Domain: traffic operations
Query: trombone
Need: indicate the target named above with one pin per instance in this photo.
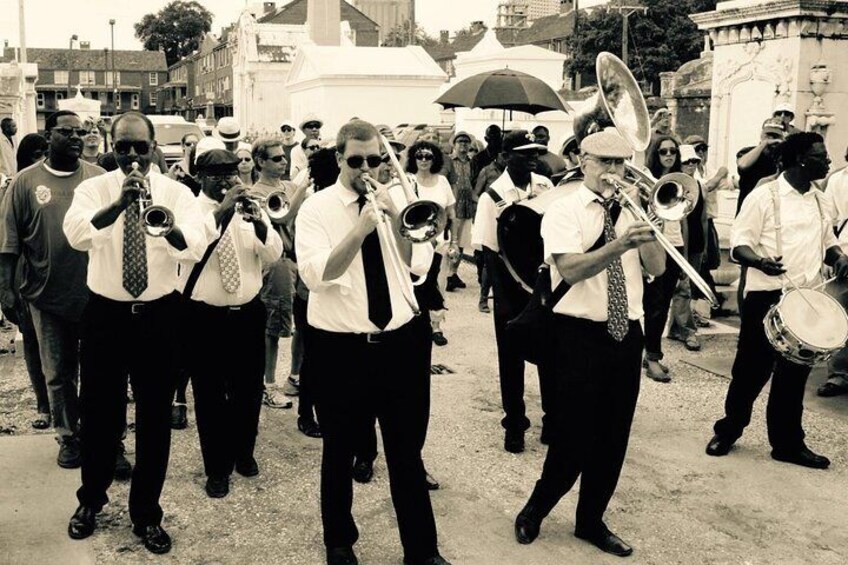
(155, 220)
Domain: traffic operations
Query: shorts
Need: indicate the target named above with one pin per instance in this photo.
(278, 321)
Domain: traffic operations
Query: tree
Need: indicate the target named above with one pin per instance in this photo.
(661, 40)
(176, 29)
(399, 36)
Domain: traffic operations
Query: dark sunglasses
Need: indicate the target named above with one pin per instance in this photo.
(246, 159)
(313, 147)
(188, 144)
(424, 156)
(356, 161)
(701, 147)
(312, 125)
(286, 129)
(69, 131)
(666, 152)
(691, 162)
(784, 113)
(123, 147)
(277, 158)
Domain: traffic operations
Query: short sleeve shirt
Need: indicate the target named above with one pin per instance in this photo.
(54, 273)
(748, 178)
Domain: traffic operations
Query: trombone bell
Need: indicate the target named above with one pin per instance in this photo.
(421, 221)
(674, 197)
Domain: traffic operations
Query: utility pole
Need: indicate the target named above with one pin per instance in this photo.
(626, 12)
(575, 81)
(22, 32)
(411, 22)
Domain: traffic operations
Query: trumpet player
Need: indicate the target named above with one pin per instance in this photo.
(129, 324)
(359, 312)
(600, 250)
(225, 312)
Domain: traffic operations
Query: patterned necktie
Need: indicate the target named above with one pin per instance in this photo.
(135, 252)
(617, 322)
(228, 260)
(376, 282)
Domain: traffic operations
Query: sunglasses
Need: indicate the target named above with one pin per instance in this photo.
(666, 152)
(188, 144)
(356, 161)
(69, 131)
(424, 156)
(701, 148)
(246, 159)
(312, 125)
(287, 129)
(276, 158)
(313, 147)
(783, 113)
(123, 147)
(691, 162)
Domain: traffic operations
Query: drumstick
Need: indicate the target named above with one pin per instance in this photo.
(824, 283)
(801, 294)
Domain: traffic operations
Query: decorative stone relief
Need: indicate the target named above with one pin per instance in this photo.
(778, 70)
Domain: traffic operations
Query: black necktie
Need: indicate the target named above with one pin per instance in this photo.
(376, 283)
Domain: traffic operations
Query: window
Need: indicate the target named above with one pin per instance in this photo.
(39, 100)
(109, 77)
(60, 96)
(153, 98)
(153, 79)
(117, 101)
(86, 77)
(60, 77)
(134, 101)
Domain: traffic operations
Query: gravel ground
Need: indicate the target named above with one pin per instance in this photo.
(674, 504)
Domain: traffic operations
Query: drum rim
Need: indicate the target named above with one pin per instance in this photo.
(794, 334)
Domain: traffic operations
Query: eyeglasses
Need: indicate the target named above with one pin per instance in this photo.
(287, 129)
(69, 131)
(356, 161)
(666, 152)
(313, 147)
(277, 158)
(424, 156)
(122, 147)
(692, 162)
(784, 113)
(607, 161)
(312, 125)
(246, 160)
(701, 148)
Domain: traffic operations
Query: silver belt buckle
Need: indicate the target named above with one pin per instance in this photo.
(235, 308)
(372, 338)
(137, 307)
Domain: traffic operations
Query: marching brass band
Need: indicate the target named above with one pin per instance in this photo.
(171, 276)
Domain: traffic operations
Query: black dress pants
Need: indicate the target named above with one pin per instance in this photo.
(596, 392)
(305, 396)
(656, 301)
(510, 299)
(227, 352)
(391, 379)
(757, 361)
(120, 339)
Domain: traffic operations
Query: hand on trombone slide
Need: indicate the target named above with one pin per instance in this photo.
(637, 234)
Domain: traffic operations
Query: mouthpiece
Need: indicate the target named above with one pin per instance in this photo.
(135, 165)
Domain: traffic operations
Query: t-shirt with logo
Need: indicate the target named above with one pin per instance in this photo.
(34, 208)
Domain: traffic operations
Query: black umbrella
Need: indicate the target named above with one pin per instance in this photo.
(504, 89)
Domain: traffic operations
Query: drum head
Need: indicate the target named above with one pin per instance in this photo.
(825, 325)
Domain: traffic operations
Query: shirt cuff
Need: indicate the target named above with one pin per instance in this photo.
(312, 273)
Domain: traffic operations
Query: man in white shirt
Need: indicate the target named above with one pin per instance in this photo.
(600, 250)
(311, 128)
(802, 223)
(518, 182)
(224, 312)
(8, 149)
(130, 323)
(358, 316)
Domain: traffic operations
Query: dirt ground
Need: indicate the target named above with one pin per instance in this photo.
(673, 504)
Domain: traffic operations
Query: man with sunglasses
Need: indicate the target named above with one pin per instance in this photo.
(786, 114)
(311, 128)
(518, 182)
(130, 324)
(54, 273)
(600, 250)
(356, 313)
(287, 129)
(223, 294)
(757, 162)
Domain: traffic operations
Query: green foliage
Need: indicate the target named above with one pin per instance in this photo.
(399, 36)
(661, 40)
(176, 29)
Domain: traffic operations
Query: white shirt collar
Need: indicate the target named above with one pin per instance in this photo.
(345, 195)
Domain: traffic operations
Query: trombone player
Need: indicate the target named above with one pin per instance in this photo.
(224, 312)
(130, 321)
(600, 251)
(357, 268)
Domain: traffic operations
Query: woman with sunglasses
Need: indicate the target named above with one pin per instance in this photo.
(661, 158)
(246, 170)
(425, 162)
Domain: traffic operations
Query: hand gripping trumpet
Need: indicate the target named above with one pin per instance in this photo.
(276, 205)
(156, 221)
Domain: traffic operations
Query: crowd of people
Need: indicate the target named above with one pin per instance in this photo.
(121, 270)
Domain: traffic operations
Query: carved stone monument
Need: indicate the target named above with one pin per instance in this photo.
(17, 95)
(768, 52)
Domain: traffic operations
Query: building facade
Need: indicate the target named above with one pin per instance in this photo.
(388, 14)
(129, 80)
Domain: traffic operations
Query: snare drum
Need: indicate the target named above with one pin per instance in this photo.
(806, 335)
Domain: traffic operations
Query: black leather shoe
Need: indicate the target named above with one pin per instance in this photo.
(341, 556)
(606, 541)
(308, 427)
(435, 560)
(719, 446)
(123, 468)
(828, 390)
(363, 471)
(514, 442)
(218, 487)
(179, 416)
(70, 456)
(803, 457)
(432, 484)
(82, 523)
(154, 538)
(526, 526)
(247, 467)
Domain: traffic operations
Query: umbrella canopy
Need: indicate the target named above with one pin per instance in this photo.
(504, 89)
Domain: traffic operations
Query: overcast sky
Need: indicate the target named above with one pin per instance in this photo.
(50, 23)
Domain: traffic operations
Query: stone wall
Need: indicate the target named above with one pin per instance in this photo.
(686, 92)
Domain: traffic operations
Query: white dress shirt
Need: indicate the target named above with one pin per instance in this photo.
(251, 253)
(573, 224)
(484, 231)
(341, 305)
(299, 161)
(805, 233)
(837, 199)
(105, 246)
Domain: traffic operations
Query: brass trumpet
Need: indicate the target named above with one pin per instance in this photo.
(156, 221)
(276, 205)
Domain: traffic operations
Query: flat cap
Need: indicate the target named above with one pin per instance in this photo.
(459, 134)
(695, 140)
(207, 144)
(606, 144)
(218, 161)
(521, 140)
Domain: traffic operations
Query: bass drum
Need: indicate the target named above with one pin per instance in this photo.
(519, 231)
